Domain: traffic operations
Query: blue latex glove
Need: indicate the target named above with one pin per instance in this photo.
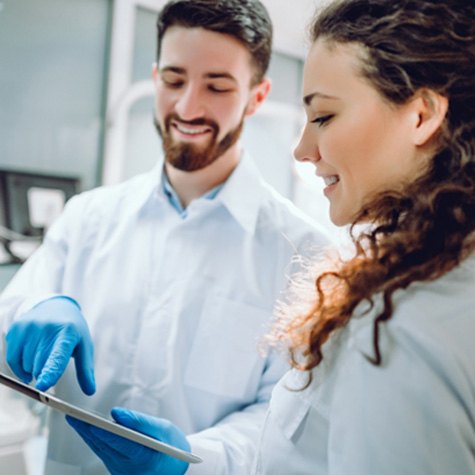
(41, 342)
(124, 457)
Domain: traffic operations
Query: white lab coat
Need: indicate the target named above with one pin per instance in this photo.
(414, 415)
(175, 308)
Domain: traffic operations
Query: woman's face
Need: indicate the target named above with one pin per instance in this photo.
(359, 143)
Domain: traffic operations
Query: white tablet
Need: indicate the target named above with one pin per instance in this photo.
(98, 421)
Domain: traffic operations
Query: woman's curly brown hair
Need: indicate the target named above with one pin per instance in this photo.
(424, 232)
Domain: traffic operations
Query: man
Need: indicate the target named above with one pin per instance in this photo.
(171, 276)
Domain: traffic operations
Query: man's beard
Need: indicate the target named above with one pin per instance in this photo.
(191, 157)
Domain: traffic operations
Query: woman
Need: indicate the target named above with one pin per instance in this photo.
(384, 359)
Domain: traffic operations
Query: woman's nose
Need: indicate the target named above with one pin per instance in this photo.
(307, 148)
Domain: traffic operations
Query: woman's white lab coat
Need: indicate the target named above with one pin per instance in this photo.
(413, 415)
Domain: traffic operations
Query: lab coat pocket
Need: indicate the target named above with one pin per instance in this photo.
(224, 358)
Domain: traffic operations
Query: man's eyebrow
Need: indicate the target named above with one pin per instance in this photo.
(211, 75)
(221, 75)
(309, 97)
(172, 69)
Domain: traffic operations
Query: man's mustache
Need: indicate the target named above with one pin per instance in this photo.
(198, 122)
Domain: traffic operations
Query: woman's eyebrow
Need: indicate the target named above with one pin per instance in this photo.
(307, 100)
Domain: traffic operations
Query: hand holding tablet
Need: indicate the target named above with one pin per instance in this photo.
(121, 436)
(122, 456)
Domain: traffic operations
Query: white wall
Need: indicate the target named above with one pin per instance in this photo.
(290, 19)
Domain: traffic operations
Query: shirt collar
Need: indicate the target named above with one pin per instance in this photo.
(175, 200)
(241, 194)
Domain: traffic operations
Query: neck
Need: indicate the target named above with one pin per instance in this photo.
(191, 185)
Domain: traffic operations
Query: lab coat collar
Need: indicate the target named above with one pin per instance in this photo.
(242, 193)
(153, 187)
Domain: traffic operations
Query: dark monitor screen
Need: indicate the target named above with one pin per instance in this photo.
(28, 200)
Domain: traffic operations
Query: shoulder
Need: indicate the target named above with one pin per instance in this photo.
(104, 199)
(101, 208)
(421, 400)
(280, 215)
(430, 334)
(441, 311)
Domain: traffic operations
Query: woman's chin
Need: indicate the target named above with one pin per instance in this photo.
(339, 219)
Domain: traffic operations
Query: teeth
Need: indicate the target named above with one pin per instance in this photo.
(330, 180)
(190, 131)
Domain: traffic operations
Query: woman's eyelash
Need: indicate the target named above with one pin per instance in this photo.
(322, 120)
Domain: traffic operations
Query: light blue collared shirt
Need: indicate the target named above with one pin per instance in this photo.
(175, 200)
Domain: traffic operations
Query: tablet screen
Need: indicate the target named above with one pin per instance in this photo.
(98, 421)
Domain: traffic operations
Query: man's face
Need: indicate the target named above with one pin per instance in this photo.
(203, 93)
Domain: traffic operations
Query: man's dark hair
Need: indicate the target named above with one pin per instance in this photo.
(246, 20)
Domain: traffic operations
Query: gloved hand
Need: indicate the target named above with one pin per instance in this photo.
(124, 457)
(41, 342)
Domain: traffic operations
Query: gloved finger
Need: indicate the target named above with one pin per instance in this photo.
(41, 356)
(15, 340)
(127, 448)
(82, 428)
(106, 444)
(57, 361)
(161, 429)
(44, 347)
(29, 352)
(84, 361)
(84, 431)
(154, 427)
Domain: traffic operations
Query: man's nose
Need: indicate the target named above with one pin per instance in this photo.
(190, 104)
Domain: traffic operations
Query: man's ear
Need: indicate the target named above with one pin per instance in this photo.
(259, 92)
(429, 111)
(154, 71)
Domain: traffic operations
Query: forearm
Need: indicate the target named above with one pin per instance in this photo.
(228, 448)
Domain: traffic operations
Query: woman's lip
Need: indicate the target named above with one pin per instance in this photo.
(330, 188)
(331, 179)
(331, 182)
